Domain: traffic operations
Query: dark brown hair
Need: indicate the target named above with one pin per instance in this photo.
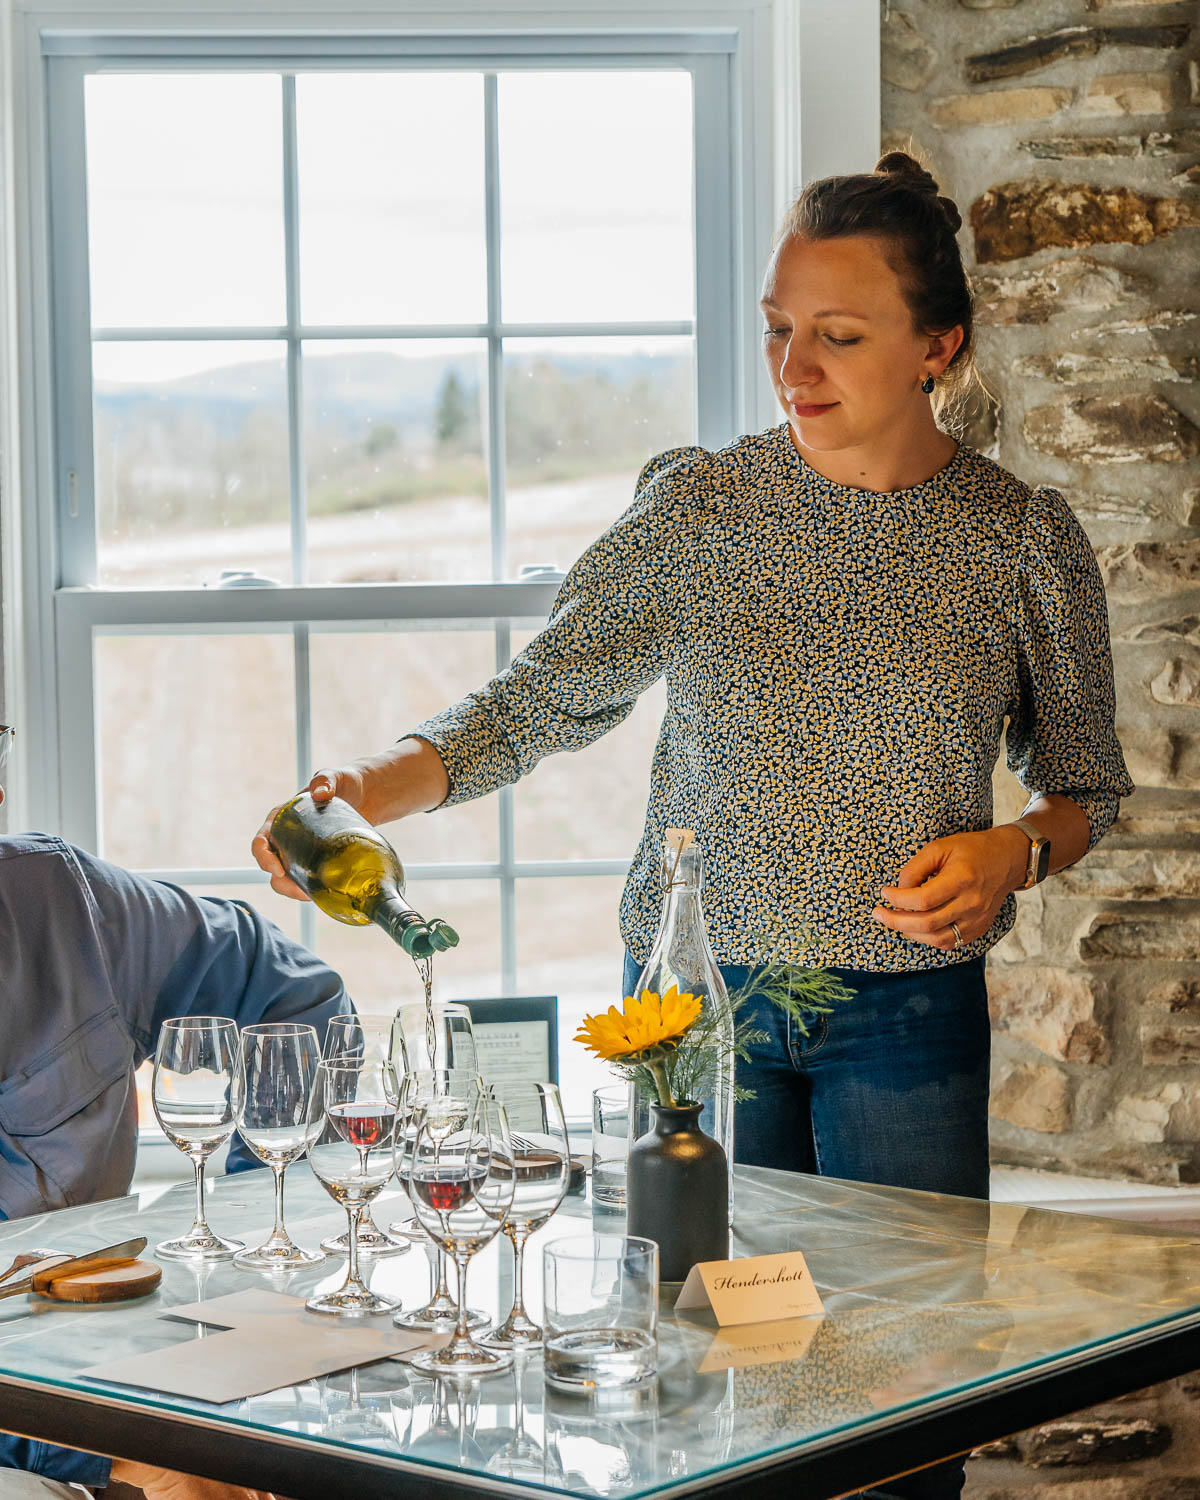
(899, 203)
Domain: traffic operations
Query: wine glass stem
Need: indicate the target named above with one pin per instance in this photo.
(518, 1235)
(443, 1286)
(354, 1212)
(463, 1331)
(200, 1226)
(278, 1233)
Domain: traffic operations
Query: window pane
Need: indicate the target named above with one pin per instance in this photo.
(391, 198)
(191, 459)
(596, 196)
(185, 199)
(196, 738)
(394, 445)
(581, 418)
(380, 976)
(568, 945)
(369, 688)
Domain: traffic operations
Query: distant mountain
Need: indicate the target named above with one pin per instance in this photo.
(362, 387)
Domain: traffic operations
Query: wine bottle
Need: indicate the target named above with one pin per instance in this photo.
(683, 958)
(352, 872)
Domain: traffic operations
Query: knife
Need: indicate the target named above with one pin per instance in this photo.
(94, 1260)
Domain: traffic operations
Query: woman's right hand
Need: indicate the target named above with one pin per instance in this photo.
(407, 778)
(347, 783)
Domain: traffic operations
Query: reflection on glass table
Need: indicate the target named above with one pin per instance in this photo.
(947, 1322)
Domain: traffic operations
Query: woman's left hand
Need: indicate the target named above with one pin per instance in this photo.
(961, 879)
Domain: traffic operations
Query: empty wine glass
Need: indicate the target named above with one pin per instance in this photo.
(192, 1090)
(354, 1160)
(450, 1095)
(279, 1119)
(354, 1037)
(441, 1036)
(541, 1168)
(461, 1186)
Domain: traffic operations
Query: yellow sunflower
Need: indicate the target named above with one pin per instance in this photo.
(649, 1020)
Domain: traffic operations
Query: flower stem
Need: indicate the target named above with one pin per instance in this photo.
(658, 1071)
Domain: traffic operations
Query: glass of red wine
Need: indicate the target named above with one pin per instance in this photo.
(354, 1160)
(349, 1038)
(461, 1185)
(443, 1097)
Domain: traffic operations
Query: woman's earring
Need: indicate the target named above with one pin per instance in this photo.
(927, 385)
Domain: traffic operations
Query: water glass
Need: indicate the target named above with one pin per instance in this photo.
(279, 1117)
(601, 1300)
(610, 1147)
(192, 1092)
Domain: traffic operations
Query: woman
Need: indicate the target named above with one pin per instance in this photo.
(847, 608)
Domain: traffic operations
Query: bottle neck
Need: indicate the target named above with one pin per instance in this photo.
(403, 925)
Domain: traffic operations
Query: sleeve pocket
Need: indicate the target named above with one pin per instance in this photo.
(66, 1078)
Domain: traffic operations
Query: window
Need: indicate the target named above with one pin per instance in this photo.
(355, 351)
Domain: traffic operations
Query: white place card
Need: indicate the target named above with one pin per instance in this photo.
(756, 1289)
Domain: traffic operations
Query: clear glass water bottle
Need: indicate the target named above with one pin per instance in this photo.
(682, 957)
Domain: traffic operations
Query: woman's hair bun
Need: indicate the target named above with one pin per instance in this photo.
(908, 170)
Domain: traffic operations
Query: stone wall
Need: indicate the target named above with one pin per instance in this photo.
(1069, 133)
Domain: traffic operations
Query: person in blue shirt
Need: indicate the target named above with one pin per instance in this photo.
(93, 959)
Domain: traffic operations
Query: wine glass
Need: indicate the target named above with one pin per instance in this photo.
(449, 1095)
(520, 1456)
(354, 1160)
(194, 1068)
(461, 1185)
(279, 1119)
(541, 1168)
(440, 1036)
(358, 1037)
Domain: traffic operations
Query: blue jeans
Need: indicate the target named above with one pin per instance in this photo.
(891, 1088)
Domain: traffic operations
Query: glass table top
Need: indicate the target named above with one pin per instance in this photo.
(927, 1299)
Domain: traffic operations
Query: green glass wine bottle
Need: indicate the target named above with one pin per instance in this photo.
(352, 872)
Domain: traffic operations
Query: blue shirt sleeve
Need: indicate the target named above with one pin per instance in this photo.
(70, 1465)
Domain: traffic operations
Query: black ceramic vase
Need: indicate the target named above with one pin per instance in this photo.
(678, 1191)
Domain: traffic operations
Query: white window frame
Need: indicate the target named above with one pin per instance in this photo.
(797, 88)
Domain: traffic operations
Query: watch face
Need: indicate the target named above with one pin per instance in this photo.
(1043, 860)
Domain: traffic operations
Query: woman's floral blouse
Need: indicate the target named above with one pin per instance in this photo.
(839, 666)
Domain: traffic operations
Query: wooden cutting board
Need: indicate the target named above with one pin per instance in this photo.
(136, 1278)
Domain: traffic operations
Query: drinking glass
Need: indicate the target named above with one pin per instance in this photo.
(541, 1167)
(448, 1096)
(357, 1037)
(279, 1119)
(440, 1037)
(354, 1160)
(461, 1185)
(601, 1295)
(194, 1069)
(610, 1147)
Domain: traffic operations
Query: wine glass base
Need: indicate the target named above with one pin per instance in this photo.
(440, 1322)
(368, 1244)
(514, 1336)
(472, 1362)
(351, 1304)
(277, 1258)
(199, 1247)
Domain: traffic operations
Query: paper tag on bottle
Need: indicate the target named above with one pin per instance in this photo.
(680, 839)
(756, 1289)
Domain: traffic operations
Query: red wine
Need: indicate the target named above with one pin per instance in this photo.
(363, 1125)
(446, 1188)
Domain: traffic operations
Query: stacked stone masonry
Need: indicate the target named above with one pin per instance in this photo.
(1069, 133)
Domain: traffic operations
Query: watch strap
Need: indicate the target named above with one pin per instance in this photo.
(1039, 853)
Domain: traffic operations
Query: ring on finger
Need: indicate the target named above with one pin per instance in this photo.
(958, 942)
